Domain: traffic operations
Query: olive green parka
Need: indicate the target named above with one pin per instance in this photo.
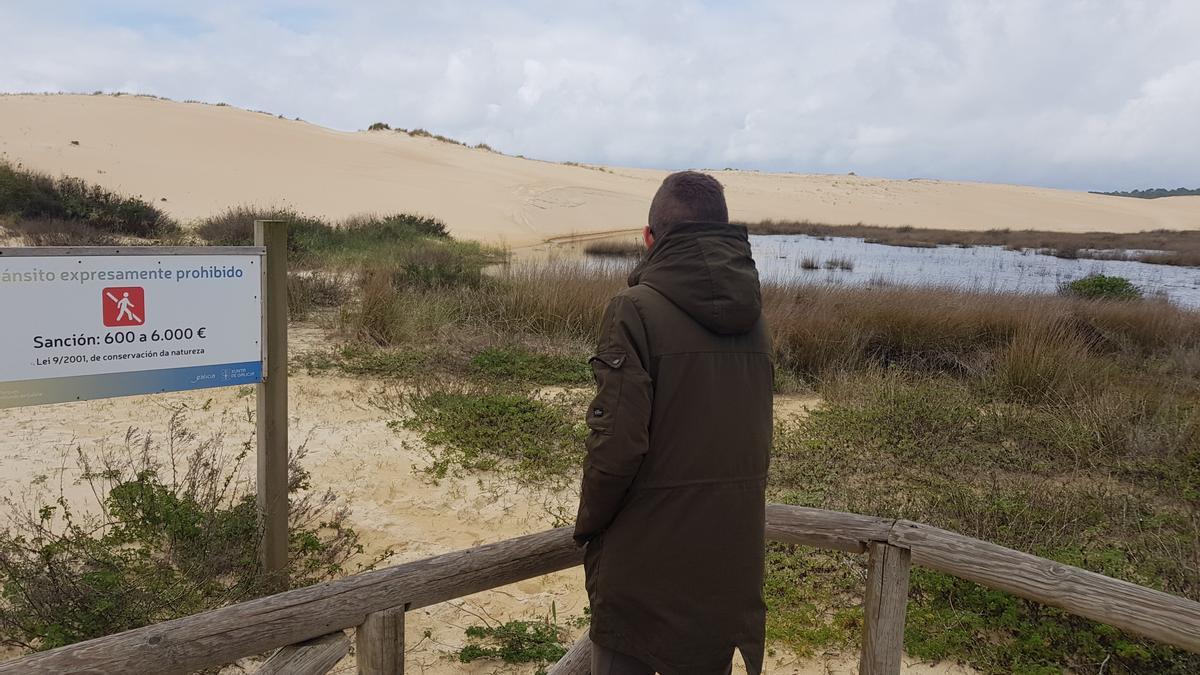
(673, 493)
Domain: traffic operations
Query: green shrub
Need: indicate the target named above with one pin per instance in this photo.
(379, 126)
(235, 226)
(539, 642)
(164, 540)
(28, 195)
(358, 239)
(1101, 287)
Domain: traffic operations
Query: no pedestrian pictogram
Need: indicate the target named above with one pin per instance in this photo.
(124, 306)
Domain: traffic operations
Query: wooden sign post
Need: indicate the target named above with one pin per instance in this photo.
(272, 394)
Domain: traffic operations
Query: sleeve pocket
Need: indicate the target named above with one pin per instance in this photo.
(606, 368)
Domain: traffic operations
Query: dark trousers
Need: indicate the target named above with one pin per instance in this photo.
(607, 662)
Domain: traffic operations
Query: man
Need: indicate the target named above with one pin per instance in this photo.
(673, 498)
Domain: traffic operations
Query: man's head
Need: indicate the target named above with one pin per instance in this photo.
(684, 197)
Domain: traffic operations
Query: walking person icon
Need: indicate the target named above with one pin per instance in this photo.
(124, 306)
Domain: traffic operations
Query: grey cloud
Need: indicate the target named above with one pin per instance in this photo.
(1090, 95)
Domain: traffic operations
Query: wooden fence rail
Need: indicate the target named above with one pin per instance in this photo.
(374, 602)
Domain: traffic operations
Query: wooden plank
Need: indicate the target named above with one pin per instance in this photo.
(577, 660)
(311, 657)
(1153, 614)
(83, 251)
(883, 609)
(258, 626)
(825, 529)
(272, 395)
(379, 643)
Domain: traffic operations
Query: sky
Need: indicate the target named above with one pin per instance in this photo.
(1079, 94)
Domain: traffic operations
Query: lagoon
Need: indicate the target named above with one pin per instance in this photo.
(780, 259)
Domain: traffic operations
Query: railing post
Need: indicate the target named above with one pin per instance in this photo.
(883, 609)
(379, 643)
(272, 394)
(577, 660)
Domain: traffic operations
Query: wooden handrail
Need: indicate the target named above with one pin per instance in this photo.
(1154, 614)
(258, 626)
(224, 635)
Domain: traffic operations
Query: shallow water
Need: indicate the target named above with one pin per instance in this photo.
(979, 268)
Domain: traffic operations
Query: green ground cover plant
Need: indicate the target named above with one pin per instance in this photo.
(518, 364)
(541, 643)
(536, 440)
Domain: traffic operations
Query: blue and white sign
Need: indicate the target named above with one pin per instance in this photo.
(96, 326)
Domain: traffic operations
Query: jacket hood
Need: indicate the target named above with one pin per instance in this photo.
(706, 270)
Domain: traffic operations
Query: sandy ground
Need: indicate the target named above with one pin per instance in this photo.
(351, 448)
(194, 159)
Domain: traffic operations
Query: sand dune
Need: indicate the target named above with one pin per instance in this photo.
(202, 158)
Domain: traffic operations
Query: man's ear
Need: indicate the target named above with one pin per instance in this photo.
(648, 236)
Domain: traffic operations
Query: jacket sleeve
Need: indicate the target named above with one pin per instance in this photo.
(619, 418)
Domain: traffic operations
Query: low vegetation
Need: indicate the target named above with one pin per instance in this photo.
(614, 248)
(329, 260)
(169, 530)
(1160, 247)
(69, 210)
(538, 440)
(541, 643)
(1154, 193)
(1099, 286)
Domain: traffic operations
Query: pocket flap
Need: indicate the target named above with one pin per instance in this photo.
(613, 359)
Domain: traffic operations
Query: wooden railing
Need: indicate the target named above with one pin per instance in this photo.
(306, 625)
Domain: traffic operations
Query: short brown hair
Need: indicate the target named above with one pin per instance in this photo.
(687, 196)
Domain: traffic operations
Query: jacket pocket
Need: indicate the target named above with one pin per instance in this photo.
(606, 368)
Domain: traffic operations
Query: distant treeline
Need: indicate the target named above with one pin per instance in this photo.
(1152, 193)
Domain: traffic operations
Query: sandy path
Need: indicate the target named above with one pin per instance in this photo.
(193, 160)
(351, 448)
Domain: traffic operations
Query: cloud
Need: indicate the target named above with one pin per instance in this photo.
(1071, 94)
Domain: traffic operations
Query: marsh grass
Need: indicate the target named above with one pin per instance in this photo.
(839, 263)
(819, 331)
